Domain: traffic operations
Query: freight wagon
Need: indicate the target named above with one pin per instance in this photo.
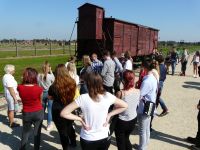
(95, 33)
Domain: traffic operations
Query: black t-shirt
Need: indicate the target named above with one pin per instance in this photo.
(174, 55)
(63, 124)
(56, 97)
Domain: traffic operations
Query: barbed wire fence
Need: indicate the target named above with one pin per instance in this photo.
(19, 48)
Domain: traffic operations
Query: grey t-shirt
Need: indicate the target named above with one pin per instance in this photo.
(132, 99)
(45, 84)
(108, 72)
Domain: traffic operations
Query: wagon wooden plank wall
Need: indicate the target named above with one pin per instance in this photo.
(96, 33)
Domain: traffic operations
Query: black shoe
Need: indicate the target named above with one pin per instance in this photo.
(191, 140)
(13, 125)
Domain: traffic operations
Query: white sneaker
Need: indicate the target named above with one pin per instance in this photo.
(50, 127)
(194, 75)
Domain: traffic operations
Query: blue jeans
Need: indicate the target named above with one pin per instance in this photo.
(173, 64)
(161, 102)
(47, 103)
(144, 131)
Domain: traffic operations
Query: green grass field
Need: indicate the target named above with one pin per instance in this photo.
(22, 63)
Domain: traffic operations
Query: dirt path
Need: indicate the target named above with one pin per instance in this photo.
(181, 95)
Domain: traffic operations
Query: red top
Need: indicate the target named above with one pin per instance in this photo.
(141, 76)
(31, 97)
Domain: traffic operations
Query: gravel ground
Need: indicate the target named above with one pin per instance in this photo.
(181, 95)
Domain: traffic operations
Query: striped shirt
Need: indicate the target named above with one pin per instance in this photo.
(97, 66)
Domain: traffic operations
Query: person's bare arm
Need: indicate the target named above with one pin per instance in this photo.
(67, 113)
(12, 93)
(119, 94)
(120, 106)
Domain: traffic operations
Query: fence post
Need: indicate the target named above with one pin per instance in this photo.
(34, 43)
(50, 46)
(69, 47)
(16, 48)
(75, 48)
(63, 46)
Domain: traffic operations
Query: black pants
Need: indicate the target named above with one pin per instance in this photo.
(36, 119)
(95, 145)
(198, 132)
(108, 88)
(63, 126)
(122, 132)
(183, 67)
(117, 83)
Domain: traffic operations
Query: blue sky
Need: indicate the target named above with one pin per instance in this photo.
(28, 19)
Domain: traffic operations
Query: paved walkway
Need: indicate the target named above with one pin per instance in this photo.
(181, 95)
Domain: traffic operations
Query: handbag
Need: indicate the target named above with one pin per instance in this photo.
(149, 108)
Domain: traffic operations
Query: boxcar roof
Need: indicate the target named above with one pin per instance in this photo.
(131, 23)
(88, 4)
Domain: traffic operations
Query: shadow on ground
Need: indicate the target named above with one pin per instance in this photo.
(164, 137)
(191, 85)
(13, 139)
(157, 135)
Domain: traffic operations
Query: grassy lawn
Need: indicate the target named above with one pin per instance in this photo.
(22, 63)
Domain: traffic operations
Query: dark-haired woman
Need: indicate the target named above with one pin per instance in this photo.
(142, 74)
(62, 91)
(94, 105)
(45, 79)
(148, 94)
(127, 119)
(31, 96)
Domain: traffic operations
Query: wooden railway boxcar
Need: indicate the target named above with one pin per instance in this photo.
(96, 33)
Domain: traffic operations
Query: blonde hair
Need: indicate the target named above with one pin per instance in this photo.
(86, 60)
(9, 68)
(71, 67)
(45, 69)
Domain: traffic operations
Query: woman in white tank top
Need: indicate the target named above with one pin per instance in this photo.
(195, 61)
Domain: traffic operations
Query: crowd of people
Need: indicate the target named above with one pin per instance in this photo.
(174, 57)
(104, 98)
